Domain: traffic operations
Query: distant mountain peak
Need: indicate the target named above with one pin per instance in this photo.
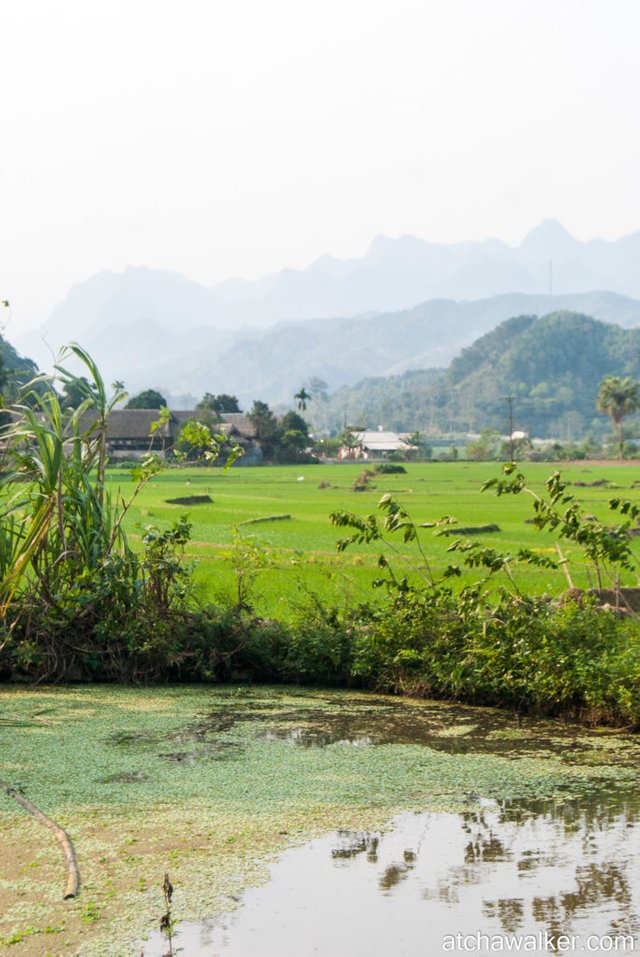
(379, 246)
(382, 244)
(549, 238)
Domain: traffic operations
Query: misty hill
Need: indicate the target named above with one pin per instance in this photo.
(552, 366)
(272, 364)
(343, 351)
(393, 275)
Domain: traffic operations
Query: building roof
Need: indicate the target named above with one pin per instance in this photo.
(381, 441)
(135, 424)
(128, 424)
(239, 422)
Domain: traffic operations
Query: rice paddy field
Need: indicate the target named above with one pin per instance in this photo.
(215, 785)
(274, 522)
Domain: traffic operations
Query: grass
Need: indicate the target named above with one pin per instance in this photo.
(104, 763)
(300, 553)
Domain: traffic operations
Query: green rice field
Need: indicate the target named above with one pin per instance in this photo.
(284, 533)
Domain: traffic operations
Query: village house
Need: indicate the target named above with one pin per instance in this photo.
(373, 445)
(131, 433)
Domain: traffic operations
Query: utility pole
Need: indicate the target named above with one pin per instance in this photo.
(509, 400)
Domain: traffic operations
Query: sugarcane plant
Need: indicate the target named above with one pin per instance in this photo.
(71, 587)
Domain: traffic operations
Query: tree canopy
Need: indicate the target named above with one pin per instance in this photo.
(302, 397)
(219, 403)
(282, 440)
(149, 399)
(618, 397)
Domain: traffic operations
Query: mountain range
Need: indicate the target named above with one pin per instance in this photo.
(407, 303)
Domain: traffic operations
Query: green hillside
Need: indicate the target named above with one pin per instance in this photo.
(552, 367)
(15, 372)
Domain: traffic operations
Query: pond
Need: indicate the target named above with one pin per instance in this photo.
(537, 875)
(555, 878)
(312, 822)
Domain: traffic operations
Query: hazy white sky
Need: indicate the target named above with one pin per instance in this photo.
(238, 137)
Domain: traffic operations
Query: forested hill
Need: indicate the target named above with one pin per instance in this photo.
(15, 371)
(552, 366)
(272, 364)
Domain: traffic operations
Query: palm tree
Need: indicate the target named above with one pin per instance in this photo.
(618, 397)
(302, 397)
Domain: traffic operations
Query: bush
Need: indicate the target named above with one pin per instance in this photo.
(77, 601)
(389, 468)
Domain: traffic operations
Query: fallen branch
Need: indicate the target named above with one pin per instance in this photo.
(73, 874)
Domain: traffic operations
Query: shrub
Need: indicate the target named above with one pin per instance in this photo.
(76, 600)
(389, 468)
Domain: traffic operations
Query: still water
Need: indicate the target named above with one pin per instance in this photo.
(507, 873)
(538, 877)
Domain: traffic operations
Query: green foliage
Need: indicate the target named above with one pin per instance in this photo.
(550, 365)
(485, 448)
(165, 574)
(292, 421)
(617, 398)
(219, 403)
(284, 440)
(149, 399)
(266, 426)
(302, 397)
(195, 443)
(523, 652)
(389, 468)
(421, 450)
(292, 442)
(607, 546)
(75, 391)
(16, 374)
(81, 603)
(75, 597)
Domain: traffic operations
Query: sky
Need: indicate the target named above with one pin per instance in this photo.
(237, 138)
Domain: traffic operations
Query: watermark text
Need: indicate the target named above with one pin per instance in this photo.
(544, 941)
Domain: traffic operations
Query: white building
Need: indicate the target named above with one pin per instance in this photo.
(374, 445)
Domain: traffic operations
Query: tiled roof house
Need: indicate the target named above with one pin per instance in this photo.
(130, 435)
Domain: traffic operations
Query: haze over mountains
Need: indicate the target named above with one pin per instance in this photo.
(407, 303)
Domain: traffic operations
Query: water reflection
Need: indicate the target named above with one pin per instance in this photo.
(317, 720)
(516, 868)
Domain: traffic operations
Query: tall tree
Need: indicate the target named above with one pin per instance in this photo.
(616, 398)
(293, 420)
(318, 388)
(219, 403)
(302, 396)
(149, 399)
(268, 429)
